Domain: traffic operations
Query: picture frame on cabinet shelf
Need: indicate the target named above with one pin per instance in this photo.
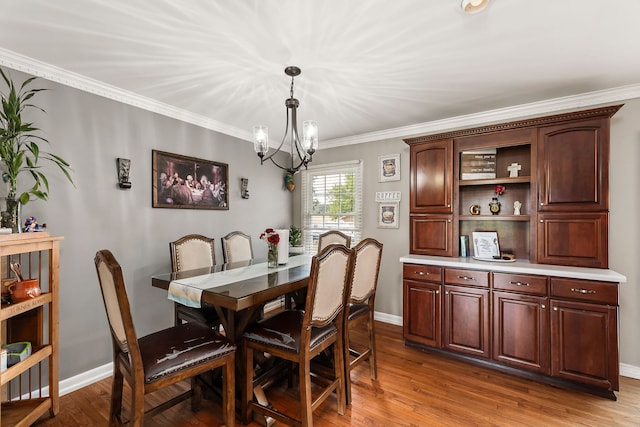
(485, 244)
(388, 215)
(389, 168)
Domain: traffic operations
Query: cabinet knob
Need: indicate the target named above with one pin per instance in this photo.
(437, 292)
(449, 221)
(541, 221)
(543, 306)
(421, 273)
(541, 204)
(465, 277)
(446, 292)
(555, 308)
(448, 206)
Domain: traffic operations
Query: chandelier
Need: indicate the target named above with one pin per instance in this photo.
(301, 150)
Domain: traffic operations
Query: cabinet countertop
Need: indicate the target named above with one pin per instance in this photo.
(519, 267)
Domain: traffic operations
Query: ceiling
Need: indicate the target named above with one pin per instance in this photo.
(369, 68)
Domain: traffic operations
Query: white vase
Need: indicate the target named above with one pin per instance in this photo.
(283, 246)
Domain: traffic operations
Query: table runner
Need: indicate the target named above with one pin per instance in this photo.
(188, 291)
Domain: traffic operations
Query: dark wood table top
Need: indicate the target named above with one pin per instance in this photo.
(248, 292)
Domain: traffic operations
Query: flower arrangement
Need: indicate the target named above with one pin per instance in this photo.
(272, 238)
(500, 190)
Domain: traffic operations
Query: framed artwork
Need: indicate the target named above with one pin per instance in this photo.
(485, 244)
(389, 168)
(388, 214)
(184, 182)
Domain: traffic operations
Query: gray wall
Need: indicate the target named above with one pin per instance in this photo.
(624, 228)
(91, 132)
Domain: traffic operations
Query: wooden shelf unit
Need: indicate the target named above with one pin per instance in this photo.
(30, 387)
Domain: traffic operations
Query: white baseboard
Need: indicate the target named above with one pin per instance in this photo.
(630, 371)
(101, 372)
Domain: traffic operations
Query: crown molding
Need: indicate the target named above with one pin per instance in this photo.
(34, 67)
(518, 112)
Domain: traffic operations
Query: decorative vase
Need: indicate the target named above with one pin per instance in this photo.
(494, 206)
(11, 217)
(272, 256)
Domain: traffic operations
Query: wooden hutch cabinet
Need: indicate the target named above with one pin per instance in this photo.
(534, 314)
(30, 386)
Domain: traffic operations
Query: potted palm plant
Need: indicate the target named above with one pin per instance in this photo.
(295, 240)
(20, 151)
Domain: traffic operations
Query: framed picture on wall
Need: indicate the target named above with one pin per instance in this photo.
(388, 215)
(389, 168)
(184, 182)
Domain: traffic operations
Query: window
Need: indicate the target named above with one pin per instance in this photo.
(332, 200)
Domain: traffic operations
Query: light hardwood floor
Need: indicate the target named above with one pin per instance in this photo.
(414, 388)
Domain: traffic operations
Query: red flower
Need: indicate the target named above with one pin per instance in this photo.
(500, 190)
(270, 236)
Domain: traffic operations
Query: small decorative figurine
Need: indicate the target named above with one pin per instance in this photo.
(516, 207)
(244, 188)
(288, 182)
(31, 225)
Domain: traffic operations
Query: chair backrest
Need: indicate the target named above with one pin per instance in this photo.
(116, 303)
(367, 256)
(192, 251)
(236, 247)
(328, 285)
(333, 237)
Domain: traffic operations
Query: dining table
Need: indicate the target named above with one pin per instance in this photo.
(238, 292)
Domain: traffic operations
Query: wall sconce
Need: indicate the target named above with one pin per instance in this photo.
(244, 191)
(124, 165)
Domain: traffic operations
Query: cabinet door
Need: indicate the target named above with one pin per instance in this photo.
(431, 235)
(577, 239)
(573, 167)
(421, 318)
(521, 331)
(584, 345)
(432, 177)
(466, 320)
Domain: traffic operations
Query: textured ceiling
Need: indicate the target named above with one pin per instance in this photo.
(367, 66)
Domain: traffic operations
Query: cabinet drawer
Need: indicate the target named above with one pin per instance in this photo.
(585, 290)
(428, 273)
(535, 285)
(466, 277)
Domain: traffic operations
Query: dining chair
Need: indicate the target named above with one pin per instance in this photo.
(360, 307)
(188, 253)
(236, 246)
(333, 237)
(162, 358)
(300, 335)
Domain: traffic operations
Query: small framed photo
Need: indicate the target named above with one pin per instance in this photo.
(388, 215)
(389, 168)
(485, 244)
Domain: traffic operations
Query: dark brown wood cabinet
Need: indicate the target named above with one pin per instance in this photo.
(551, 327)
(422, 304)
(573, 166)
(431, 185)
(466, 320)
(584, 343)
(431, 234)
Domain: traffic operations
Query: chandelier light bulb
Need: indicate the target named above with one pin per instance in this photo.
(261, 139)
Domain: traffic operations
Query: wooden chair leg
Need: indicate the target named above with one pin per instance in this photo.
(137, 406)
(115, 415)
(340, 369)
(306, 409)
(229, 395)
(373, 364)
(247, 390)
(196, 398)
(347, 367)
